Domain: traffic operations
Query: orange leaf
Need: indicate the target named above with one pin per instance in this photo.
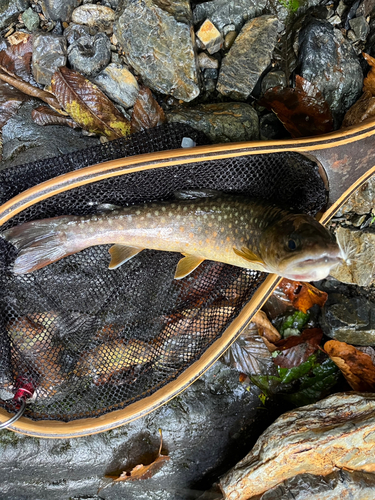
(16, 60)
(356, 366)
(265, 327)
(369, 81)
(144, 471)
(301, 295)
(303, 111)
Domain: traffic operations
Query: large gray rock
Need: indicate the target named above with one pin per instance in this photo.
(25, 141)
(328, 61)
(159, 48)
(359, 250)
(335, 433)
(350, 320)
(59, 10)
(10, 9)
(180, 9)
(224, 122)
(205, 431)
(224, 12)
(362, 201)
(248, 57)
(49, 53)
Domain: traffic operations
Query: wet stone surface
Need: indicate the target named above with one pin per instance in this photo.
(10, 9)
(59, 10)
(225, 122)
(49, 53)
(205, 430)
(119, 84)
(159, 48)
(90, 55)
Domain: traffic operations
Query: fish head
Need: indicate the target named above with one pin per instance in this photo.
(298, 247)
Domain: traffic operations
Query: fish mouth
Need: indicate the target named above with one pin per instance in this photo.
(310, 268)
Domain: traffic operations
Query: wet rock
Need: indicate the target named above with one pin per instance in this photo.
(90, 54)
(119, 84)
(330, 63)
(159, 48)
(335, 433)
(95, 16)
(31, 20)
(359, 248)
(210, 37)
(229, 39)
(180, 9)
(350, 320)
(10, 10)
(224, 122)
(224, 12)
(247, 59)
(205, 61)
(335, 486)
(204, 429)
(49, 53)
(360, 27)
(271, 128)
(59, 10)
(25, 141)
(75, 31)
(273, 79)
(362, 201)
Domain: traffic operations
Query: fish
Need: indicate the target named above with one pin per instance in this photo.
(201, 224)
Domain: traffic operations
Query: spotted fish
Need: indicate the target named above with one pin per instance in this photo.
(200, 224)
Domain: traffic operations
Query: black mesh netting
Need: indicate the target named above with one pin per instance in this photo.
(93, 340)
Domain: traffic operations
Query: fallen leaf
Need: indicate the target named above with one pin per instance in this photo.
(361, 110)
(146, 112)
(302, 110)
(300, 295)
(369, 81)
(87, 105)
(265, 327)
(144, 471)
(356, 366)
(248, 354)
(15, 60)
(297, 349)
(10, 101)
(30, 90)
(18, 37)
(48, 116)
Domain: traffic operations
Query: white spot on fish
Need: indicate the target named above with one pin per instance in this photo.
(163, 209)
(149, 215)
(138, 212)
(157, 212)
(170, 214)
(219, 218)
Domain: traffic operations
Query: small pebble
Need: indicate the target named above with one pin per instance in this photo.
(360, 27)
(273, 79)
(75, 31)
(210, 37)
(119, 84)
(229, 39)
(228, 28)
(31, 20)
(94, 15)
(49, 53)
(90, 55)
(205, 61)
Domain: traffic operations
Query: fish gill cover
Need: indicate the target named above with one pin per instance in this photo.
(93, 340)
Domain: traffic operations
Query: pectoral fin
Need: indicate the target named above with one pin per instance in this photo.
(187, 265)
(121, 254)
(250, 256)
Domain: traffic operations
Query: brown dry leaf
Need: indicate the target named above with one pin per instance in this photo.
(300, 295)
(30, 90)
(48, 116)
(295, 350)
(146, 112)
(144, 471)
(302, 110)
(361, 110)
(10, 101)
(369, 81)
(15, 60)
(356, 366)
(87, 105)
(265, 327)
(18, 37)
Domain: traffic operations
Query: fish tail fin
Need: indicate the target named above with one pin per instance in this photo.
(39, 243)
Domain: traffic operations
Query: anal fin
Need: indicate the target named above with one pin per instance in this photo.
(187, 265)
(121, 254)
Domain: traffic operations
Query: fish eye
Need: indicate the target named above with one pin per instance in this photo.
(292, 245)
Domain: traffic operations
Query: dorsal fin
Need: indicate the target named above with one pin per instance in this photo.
(121, 254)
(191, 194)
